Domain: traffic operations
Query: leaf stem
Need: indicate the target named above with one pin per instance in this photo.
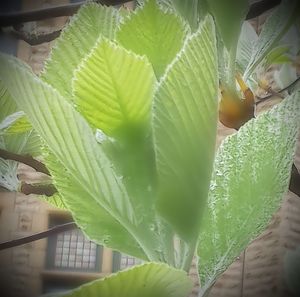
(189, 254)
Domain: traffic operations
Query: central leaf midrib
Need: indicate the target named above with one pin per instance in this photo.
(115, 84)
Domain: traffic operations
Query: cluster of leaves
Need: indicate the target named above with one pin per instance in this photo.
(126, 113)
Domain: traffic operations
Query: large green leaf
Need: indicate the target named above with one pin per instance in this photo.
(77, 39)
(229, 15)
(184, 127)
(252, 171)
(153, 32)
(273, 30)
(147, 280)
(73, 143)
(113, 88)
(94, 221)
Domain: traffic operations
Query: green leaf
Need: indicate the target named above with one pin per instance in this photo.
(277, 55)
(229, 15)
(15, 123)
(153, 32)
(252, 172)
(7, 104)
(247, 40)
(73, 143)
(77, 39)
(113, 88)
(188, 9)
(273, 30)
(184, 127)
(94, 221)
(147, 280)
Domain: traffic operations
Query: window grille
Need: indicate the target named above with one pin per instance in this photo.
(71, 250)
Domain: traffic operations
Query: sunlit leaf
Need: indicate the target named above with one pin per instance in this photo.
(113, 88)
(184, 125)
(153, 32)
(15, 123)
(251, 174)
(73, 143)
(76, 40)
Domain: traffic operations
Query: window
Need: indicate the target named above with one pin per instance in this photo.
(71, 250)
(122, 261)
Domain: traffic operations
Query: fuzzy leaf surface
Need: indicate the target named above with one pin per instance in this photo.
(184, 128)
(251, 174)
(77, 39)
(73, 143)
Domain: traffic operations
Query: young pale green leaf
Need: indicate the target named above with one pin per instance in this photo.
(184, 128)
(273, 30)
(252, 171)
(246, 43)
(147, 280)
(153, 32)
(229, 16)
(15, 123)
(113, 88)
(73, 143)
(75, 42)
(278, 55)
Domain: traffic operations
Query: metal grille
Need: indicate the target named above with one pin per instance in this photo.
(73, 250)
(127, 262)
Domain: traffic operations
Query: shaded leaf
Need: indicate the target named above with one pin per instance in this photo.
(146, 280)
(184, 127)
(251, 174)
(229, 15)
(246, 43)
(273, 30)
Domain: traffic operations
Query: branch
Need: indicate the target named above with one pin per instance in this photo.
(25, 159)
(48, 190)
(15, 18)
(34, 39)
(37, 236)
(279, 92)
